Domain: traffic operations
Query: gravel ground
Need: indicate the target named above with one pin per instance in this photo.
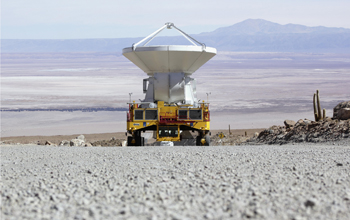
(226, 182)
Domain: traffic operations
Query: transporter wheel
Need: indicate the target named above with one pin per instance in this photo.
(207, 140)
(129, 141)
(198, 141)
(138, 140)
(142, 141)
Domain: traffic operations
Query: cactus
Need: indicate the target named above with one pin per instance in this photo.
(317, 107)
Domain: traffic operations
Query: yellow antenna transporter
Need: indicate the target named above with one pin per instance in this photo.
(170, 106)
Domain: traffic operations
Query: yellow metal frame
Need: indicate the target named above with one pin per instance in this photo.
(168, 115)
(169, 138)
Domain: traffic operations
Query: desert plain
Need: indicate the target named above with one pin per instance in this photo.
(86, 93)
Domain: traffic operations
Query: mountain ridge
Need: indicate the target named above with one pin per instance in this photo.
(254, 35)
(262, 26)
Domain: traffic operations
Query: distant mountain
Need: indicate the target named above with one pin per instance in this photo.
(254, 35)
(263, 27)
(265, 36)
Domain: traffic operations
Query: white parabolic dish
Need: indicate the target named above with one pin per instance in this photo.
(169, 58)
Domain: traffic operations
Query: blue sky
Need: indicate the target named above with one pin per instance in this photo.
(71, 19)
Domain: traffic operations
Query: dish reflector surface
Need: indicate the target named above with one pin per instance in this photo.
(169, 58)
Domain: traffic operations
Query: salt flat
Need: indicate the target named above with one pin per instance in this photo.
(248, 90)
(216, 182)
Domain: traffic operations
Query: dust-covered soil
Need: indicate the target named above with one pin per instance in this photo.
(56, 139)
(221, 182)
(234, 136)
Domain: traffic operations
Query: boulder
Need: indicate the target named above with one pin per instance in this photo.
(343, 114)
(307, 121)
(76, 143)
(81, 137)
(289, 123)
(48, 143)
(300, 122)
(340, 106)
(87, 144)
(64, 143)
(303, 122)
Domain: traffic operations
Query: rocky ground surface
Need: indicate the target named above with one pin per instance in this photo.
(223, 182)
(328, 130)
(322, 130)
(231, 137)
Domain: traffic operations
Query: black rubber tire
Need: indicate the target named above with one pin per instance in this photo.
(129, 141)
(207, 140)
(198, 141)
(138, 141)
(142, 141)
